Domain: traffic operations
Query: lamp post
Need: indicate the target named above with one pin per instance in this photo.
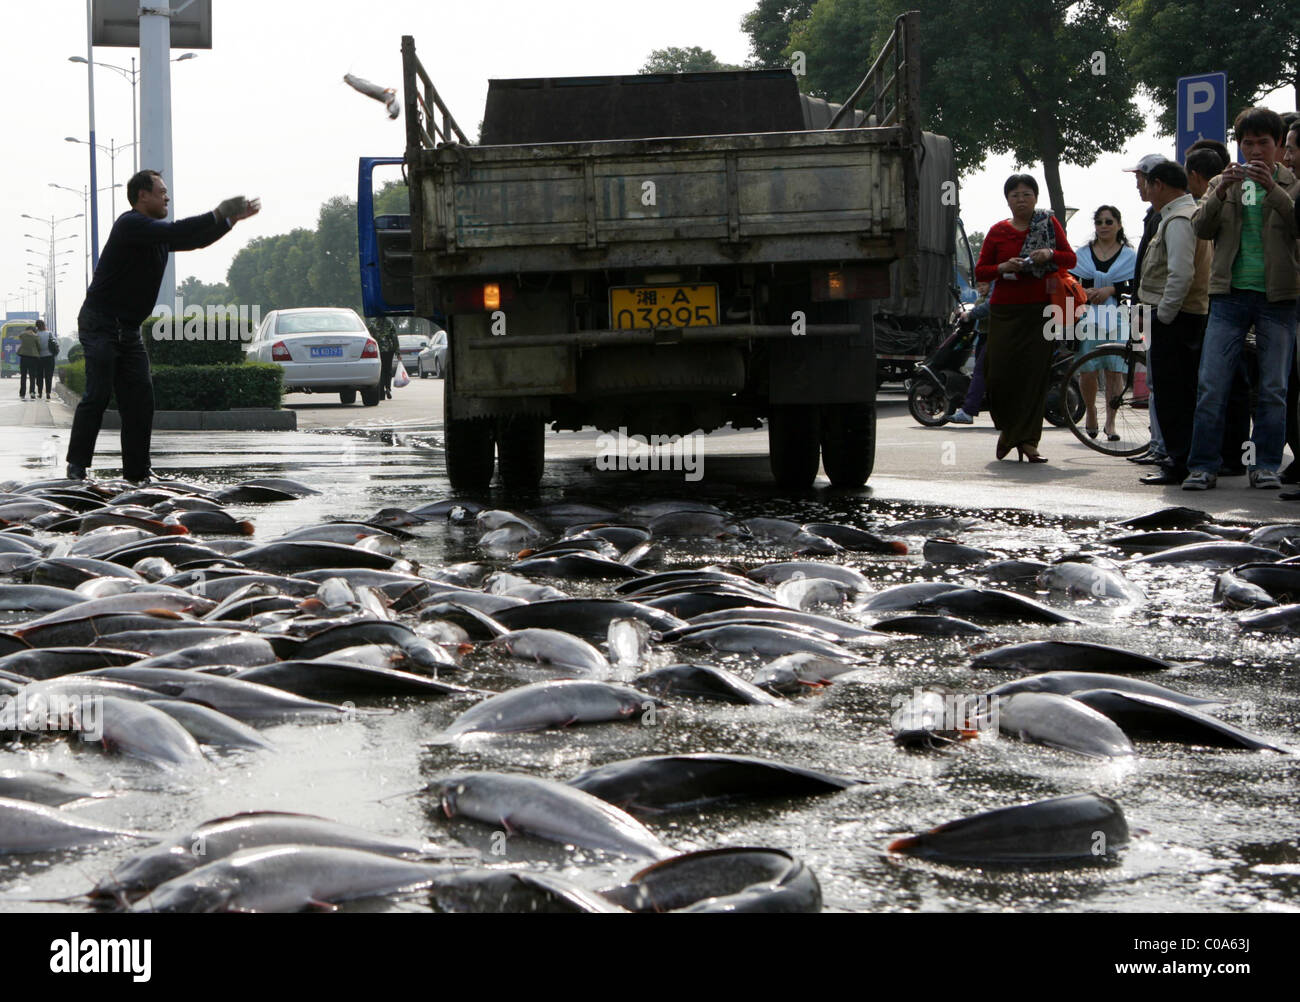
(52, 305)
(85, 208)
(112, 150)
(132, 75)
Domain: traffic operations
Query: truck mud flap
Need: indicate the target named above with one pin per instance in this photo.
(823, 370)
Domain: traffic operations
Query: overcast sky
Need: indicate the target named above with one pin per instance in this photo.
(265, 111)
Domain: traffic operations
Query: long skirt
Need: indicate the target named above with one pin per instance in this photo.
(1016, 372)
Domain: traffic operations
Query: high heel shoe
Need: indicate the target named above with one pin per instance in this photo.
(1111, 437)
(1092, 432)
(1022, 456)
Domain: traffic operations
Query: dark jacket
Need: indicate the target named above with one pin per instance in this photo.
(130, 269)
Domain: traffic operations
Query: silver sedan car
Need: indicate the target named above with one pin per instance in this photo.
(433, 360)
(321, 350)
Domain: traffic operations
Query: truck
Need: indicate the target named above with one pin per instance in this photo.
(661, 255)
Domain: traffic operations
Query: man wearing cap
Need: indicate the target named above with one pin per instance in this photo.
(1157, 455)
(1177, 292)
(1249, 213)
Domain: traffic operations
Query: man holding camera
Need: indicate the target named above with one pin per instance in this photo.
(1249, 213)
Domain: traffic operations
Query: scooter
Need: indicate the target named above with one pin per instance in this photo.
(938, 386)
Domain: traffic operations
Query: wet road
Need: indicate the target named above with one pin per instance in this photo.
(948, 465)
(1219, 827)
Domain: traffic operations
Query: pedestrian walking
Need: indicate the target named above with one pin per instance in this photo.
(29, 362)
(1249, 213)
(1020, 253)
(49, 348)
(122, 293)
(386, 336)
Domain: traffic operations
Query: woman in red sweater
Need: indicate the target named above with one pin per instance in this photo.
(1021, 253)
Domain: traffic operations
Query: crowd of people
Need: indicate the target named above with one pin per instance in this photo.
(1218, 260)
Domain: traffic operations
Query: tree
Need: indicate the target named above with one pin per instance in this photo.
(1043, 80)
(769, 27)
(192, 292)
(692, 60)
(393, 199)
(1256, 45)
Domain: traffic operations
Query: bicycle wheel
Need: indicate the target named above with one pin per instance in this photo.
(1128, 401)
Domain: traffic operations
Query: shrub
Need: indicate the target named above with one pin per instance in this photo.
(178, 350)
(217, 387)
(73, 376)
(201, 387)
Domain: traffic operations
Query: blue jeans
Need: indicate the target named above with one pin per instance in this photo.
(1231, 316)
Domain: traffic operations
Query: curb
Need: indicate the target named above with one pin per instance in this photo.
(237, 419)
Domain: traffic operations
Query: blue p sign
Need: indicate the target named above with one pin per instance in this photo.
(1202, 110)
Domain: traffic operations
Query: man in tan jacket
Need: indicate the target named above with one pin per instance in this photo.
(1176, 292)
(1249, 213)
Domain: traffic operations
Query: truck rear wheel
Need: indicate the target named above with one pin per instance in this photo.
(471, 449)
(848, 439)
(794, 444)
(521, 451)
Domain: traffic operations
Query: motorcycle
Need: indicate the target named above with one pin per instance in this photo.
(939, 385)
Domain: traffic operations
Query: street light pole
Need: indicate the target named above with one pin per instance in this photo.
(94, 180)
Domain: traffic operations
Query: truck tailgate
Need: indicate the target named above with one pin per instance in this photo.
(703, 200)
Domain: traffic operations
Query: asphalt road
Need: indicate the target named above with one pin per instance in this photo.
(953, 465)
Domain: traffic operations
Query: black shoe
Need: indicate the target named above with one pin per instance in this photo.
(76, 472)
(141, 481)
(1148, 460)
(1290, 495)
(1167, 476)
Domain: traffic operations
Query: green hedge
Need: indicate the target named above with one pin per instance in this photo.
(177, 350)
(201, 387)
(73, 376)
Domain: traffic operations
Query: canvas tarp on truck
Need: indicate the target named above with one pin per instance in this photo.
(936, 237)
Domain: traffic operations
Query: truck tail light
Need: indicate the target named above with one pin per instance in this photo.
(371, 350)
(850, 282)
(279, 353)
(481, 296)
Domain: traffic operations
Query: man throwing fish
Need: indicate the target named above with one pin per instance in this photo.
(121, 296)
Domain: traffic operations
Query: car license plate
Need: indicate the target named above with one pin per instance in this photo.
(327, 351)
(646, 307)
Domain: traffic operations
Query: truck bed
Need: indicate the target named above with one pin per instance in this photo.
(772, 197)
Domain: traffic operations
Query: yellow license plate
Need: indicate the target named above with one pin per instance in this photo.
(649, 306)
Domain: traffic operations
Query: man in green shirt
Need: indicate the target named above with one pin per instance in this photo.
(1249, 213)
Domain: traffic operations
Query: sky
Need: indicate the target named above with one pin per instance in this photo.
(265, 112)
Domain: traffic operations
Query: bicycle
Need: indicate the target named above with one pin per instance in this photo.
(1130, 404)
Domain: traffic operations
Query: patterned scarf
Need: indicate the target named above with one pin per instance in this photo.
(1041, 234)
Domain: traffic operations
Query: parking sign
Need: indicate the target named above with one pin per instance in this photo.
(1202, 110)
